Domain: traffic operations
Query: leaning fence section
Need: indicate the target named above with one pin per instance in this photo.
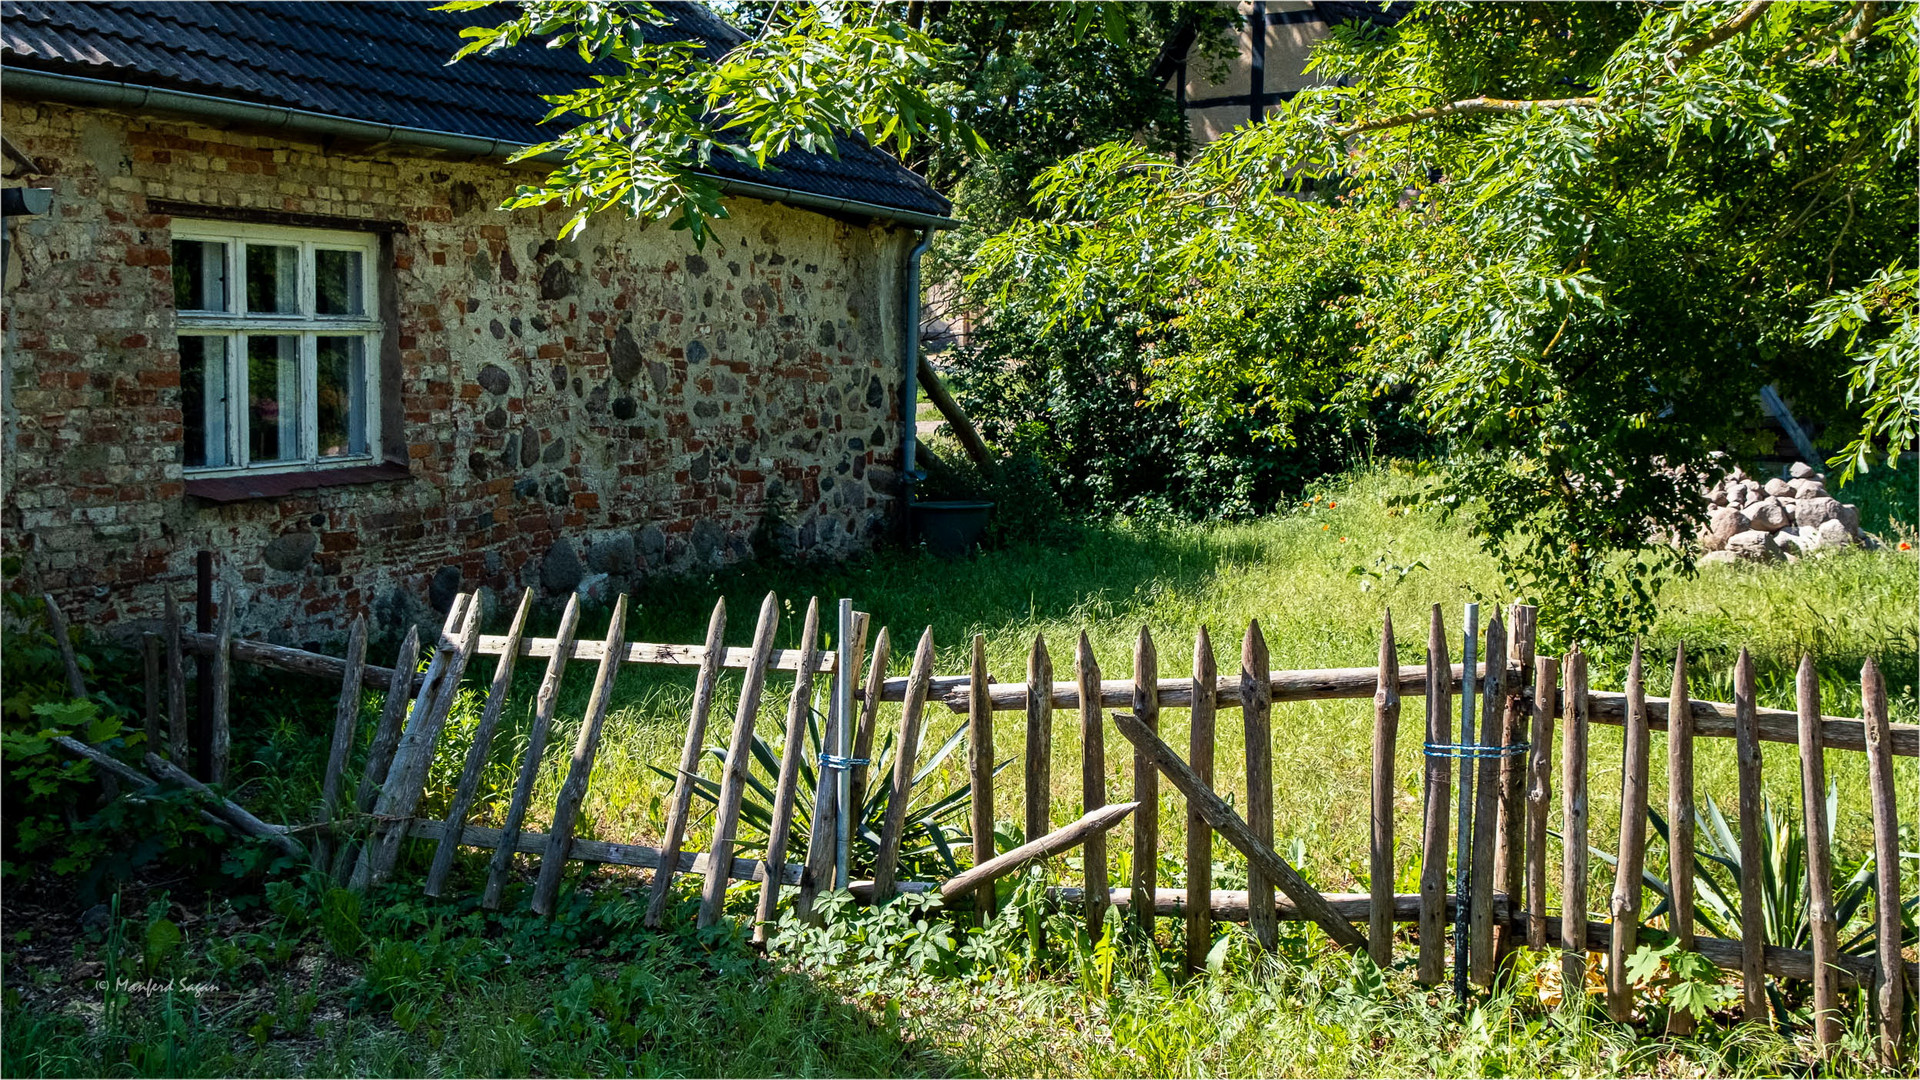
(1485, 798)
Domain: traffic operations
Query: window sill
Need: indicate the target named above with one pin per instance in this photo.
(230, 489)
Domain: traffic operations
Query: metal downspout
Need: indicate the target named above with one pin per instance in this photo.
(910, 386)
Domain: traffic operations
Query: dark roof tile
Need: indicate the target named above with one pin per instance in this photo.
(385, 62)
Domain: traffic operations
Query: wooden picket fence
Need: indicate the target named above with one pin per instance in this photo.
(1507, 769)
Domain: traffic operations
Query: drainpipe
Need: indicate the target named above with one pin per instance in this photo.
(910, 387)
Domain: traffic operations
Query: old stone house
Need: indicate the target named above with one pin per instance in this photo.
(272, 310)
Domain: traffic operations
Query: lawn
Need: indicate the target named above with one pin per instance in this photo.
(407, 985)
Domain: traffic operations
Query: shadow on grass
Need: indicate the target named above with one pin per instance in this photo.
(326, 983)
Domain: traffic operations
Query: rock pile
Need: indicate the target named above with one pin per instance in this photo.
(1785, 517)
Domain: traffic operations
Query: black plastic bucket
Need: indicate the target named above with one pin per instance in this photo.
(951, 528)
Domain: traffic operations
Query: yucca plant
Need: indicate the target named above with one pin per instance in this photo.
(935, 824)
(1784, 895)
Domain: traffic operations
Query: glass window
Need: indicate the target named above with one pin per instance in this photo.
(337, 286)
(273, 280)
(199, 275)
(297, 393)
(341, 401)
(203, 399)
(273, 397)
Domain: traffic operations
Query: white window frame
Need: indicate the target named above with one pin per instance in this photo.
(236, 324)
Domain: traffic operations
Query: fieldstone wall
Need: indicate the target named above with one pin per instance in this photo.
(572, 414)
(1784, 517)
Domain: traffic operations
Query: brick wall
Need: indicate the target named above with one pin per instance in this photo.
(574, 414)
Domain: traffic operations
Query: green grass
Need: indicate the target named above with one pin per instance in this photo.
(1294, 572)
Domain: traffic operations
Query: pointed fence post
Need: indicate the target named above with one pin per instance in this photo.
(733, 778)
(1386, 733)
(1487, 794)
(1753, 927)
(711, 657)
(1093, 783)
(980, 771)
(1573, 832)
(1625, 904)
(1463, 833)
(1509, 860)
(176, 686)
(1889, 979)
(1146, 784)
(573, 790)
(786, 787)
(823, 827)
(386, 739)
(220, 729)
(1546, 677)
(1256, 703)
(346, 715)
(1680, 821)
(63, 638)
(869, 719)
(1206, 681)
(1439, 799)
(543, 709)
(1039, 767)
(1813, 810)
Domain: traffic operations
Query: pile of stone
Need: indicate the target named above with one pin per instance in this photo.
(1785, 517)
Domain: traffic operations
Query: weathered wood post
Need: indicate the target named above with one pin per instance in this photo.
(905, 751)
(1813, 810)
(544, 706)
(1039, 764)
(733, 778)
(1546, 678)
(980, 770)
(1889, 980)
(1573, 832)
(477, 752)
(1146, 784)
(1680, 821)
(1093, 783)
(346, 715)
(712, 655)
(786, 787)
(573, 790)
(1386, 730)
(1487, 794)
(1439, 792)
(1256, 704)
(1625, 904)
(1199, 913)
(1753, 932)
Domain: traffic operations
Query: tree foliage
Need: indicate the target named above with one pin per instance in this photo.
(1580, 236)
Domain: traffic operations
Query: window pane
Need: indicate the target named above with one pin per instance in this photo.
(337, 283)
(203, 400)
(273, 397)
(273, 280)
(199, 275)
(341, 399)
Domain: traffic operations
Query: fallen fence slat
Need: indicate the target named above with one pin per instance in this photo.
(979, 879)
(703, 689)
(786, 788)
(1813, 813)
(733, 777)
(1680, 832)
(1486, 800)
(235, 814)
(1386, 733)
(1199, 834)
(1624, 906)
(1752, 910)
(544, 707)
(573, 790)
(469, 783)
(906, 750)
(125, 772)
(1146, 780)
(1888, 985)
(1236, 832)
(1439, 801)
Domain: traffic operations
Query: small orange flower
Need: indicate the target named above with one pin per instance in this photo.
(1331, 504)
(1323, 528)
(1343, 539)
(1904, 546)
